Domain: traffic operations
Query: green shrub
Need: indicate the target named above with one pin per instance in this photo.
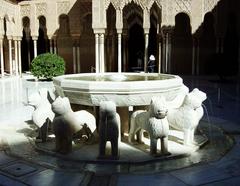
(47, 66)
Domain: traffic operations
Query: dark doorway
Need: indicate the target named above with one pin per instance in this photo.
(111, 41)
(136, 46)
(207, 45)
(87, 41)
(182, 45)
(43, 42)
(152, 45)
(64, 41)
(27, 54)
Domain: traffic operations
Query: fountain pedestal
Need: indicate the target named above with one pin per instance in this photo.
(136, 89)
(125, 89)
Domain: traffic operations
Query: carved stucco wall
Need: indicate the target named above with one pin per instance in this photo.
(51, 10)
(11, 13)
(196, 10)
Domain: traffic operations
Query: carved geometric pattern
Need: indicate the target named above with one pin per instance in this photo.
(183, 6)
(25, 10)
(158, 2)
(7, 9)
(122, 3)
(63, 7)
(41, 9)
(116, 3)
(209, 5)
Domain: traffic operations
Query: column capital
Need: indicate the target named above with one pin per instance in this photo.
(35, 38)
(119, 31)
(9, 37)
(15, 38)
(167, 30)
(99, 30)
(146, 30)
(50, 37)
(19, 38)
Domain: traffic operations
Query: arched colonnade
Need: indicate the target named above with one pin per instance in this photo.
(110, 35)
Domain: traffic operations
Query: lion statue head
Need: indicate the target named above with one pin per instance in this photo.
(61, 105)
(195, 98)
(158, 107)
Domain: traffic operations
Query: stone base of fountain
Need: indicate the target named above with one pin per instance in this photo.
(84, 152)
(26, 147)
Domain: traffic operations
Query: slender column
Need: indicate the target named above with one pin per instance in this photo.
(124, 53)
(19, 57)
(169, 53)
(74, 59)
(55, 46)
(97, 53)
(146, 52)
(2, 60)
(51, 46)
(102, 61)
(164, 54)
(28, 51)
(166, 61)
(119, 52)
(193, 56)
(78, 59)
(10, 56)
(16, 56)
(146, 27)
(160, 57)
(35, 46)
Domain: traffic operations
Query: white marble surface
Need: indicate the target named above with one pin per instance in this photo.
(123, 93)
(13, 98)
(224, 104)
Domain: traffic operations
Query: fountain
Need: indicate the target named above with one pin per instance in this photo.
(137, 90)
(125, 89)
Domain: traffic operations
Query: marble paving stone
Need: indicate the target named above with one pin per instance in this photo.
(106, 168)
(4, 159)
(233, 153)
(198, 175)
(160, 166)
(55, 178)
(231, 166)
(148, 180)
(55, 162)
(235, 181)
(19, 169)
(6, 181)
(14, 113)
(102, 180)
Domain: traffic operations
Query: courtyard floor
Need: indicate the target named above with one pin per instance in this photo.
(22, 164)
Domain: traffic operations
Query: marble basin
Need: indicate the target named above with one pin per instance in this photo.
(125, 89)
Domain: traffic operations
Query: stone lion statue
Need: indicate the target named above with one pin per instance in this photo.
(42, 115)
(67, 123)
(154, 121)
(186, 118)
(109, 124)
